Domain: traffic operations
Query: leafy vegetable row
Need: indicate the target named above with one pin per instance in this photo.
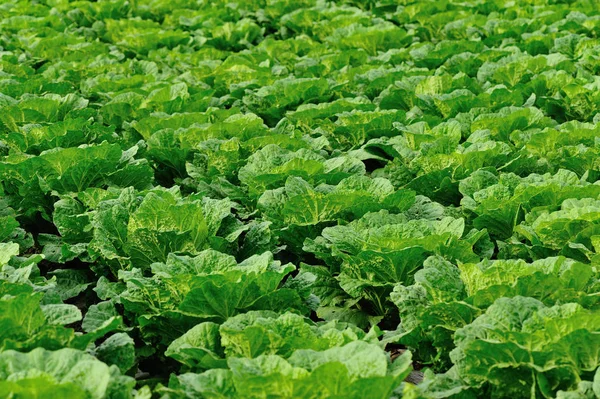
(299, 199)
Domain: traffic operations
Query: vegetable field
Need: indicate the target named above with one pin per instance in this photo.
(302, 199)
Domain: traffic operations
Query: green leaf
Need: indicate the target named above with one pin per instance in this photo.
(98, 315)
(118, 350)
(61, 314)
(199, 348)
(63, 372)
(354, 370)
(162, 225)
